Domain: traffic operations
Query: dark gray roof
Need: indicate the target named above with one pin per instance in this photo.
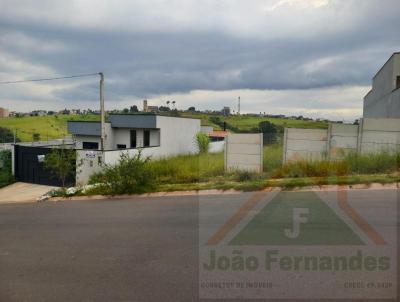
(84, 128)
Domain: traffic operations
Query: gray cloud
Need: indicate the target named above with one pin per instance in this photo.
(343, 43)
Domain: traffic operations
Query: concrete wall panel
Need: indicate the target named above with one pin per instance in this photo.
(371, 136)
(244, 152)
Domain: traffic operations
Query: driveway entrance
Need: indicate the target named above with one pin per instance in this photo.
(22, 192)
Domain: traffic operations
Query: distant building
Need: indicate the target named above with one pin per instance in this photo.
(226, 111)
(147, 108)
(152, 108)
(383, 100)
(38, 113)
(4, 113)
(218, 135)
(75, 111)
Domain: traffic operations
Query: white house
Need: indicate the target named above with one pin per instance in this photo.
(383, 100)
(155, 135)
(173, 135)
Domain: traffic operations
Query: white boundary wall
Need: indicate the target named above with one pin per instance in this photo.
(377, 135)
(216, 147)
(244, 152)
(309, 144)
(342, 140)
(371, 136)
(88, 162)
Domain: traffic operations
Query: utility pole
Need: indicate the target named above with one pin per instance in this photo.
(102, 113)
(238, 106)
(15, 136)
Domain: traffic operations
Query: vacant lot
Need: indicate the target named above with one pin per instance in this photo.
(47, 127)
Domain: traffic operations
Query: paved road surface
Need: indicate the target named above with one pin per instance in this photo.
(115, 250)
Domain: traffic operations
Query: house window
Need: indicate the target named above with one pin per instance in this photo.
(133, 138)
(90, 145)
(146, 138)
(121, 146)
(398, 82)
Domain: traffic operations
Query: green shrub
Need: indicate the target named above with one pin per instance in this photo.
(243, 175)
(62, 163)
(132, 174)
(203, 142)
(6, 176)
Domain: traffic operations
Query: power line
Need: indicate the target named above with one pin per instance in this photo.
(51, 79)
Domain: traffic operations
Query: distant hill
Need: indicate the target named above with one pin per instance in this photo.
(53, 127)
(42, 127)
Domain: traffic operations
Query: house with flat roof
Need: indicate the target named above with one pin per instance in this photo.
(173, 135)
(154, 135)
(383, 100)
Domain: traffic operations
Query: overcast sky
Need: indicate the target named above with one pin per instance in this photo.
(309, 57)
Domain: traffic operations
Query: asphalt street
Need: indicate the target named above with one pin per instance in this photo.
(142, 249)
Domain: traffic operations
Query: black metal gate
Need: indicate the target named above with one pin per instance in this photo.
(29, 167)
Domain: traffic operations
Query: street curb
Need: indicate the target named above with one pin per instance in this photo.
(322, 188)
(147, 195)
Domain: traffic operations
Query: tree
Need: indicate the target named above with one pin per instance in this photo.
(133, 109)
(164, 108)
(6, 136)
(269, 132)
(62, 162)
(36, 137)
(192, 109)
(125, 110)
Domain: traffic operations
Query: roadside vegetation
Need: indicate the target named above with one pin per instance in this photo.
(62, 164)
(6, 177)
(206, 171)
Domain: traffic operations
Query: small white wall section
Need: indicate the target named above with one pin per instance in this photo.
(342, 140)
(88, 162)
(244, 152)
(309, 144)
(216, 147)
(178, 135)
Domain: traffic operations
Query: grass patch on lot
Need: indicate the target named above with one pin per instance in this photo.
(353, 164)
(206, 171)
(248, 122)
(48, 127)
